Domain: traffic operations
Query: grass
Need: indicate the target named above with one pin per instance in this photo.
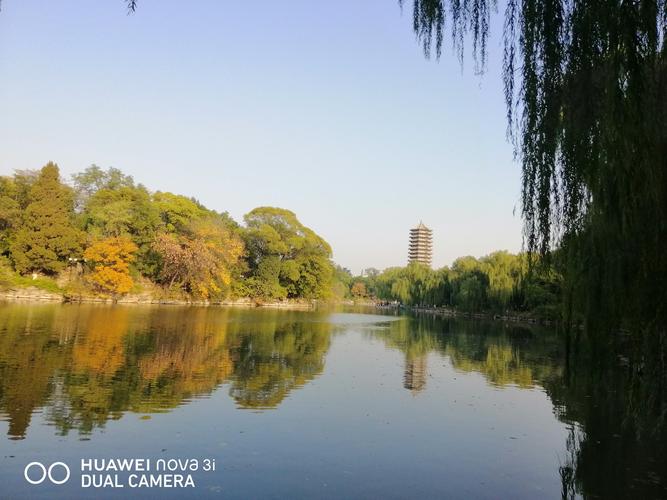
(11, 279)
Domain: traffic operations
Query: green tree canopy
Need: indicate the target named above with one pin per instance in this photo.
(10, 211)
(286, 259)
(177, 211)
(94, 179)
(114, 206)
(47, 236)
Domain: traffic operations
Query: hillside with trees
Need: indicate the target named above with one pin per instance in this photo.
(105, 235)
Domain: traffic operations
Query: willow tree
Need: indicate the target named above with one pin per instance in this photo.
(586, 92)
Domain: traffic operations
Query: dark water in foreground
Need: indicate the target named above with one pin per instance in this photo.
(309, 404)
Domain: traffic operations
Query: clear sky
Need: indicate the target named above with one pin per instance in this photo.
(327, 108)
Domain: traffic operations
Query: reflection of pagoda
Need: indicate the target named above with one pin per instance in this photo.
(414, 377)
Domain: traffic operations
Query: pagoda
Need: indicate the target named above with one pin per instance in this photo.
(421, 245)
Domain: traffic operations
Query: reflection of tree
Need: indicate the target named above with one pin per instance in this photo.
(189, 355)
(275, 357)
(620, 447)
(568, 467)
(501, 366)
(100, 350)
(87, 364)
(617, 440)
(28, 359)
(504, 354)
(167, 356)
(488, 348)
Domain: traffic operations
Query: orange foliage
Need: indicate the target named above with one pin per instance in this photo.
(358, 289)
(101, 349)
(112, 258)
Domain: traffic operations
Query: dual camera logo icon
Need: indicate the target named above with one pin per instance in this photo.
(32, 475)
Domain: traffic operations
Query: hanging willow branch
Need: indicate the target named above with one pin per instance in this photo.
(585, 86)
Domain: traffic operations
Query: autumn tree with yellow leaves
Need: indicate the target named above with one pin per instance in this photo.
(201, 259)
(111, 258)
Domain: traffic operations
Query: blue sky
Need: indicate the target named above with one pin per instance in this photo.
(326, 108)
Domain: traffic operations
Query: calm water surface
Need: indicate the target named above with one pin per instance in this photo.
(307, 404)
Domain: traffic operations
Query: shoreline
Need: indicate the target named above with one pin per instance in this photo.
(37, 295)
(513, 317)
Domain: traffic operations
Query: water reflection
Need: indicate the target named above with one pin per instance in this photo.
(81, 366)
(617, 441)
(273, 359)
(86, 365)
(506, 354)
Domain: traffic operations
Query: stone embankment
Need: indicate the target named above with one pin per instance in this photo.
(33, 294)
(30, 294)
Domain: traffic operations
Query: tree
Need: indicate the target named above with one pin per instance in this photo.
(117, 207)
(264, 278)
(285, 258)
(47, 236)
(358, 289)
(177, 211)
(504, 272)
(585, 86)
(111, 258)
(201, 260)
(342, 279)
(10, 212)
(94, 179)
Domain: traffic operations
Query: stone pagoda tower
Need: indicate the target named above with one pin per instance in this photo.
(421, 245)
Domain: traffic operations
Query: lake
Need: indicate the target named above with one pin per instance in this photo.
(306, 404)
